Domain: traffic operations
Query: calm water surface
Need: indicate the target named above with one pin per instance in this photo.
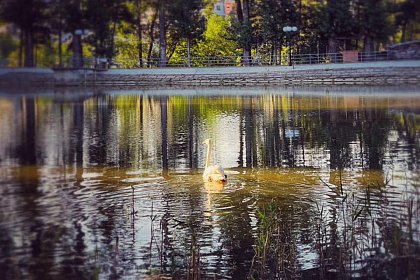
(322, 184)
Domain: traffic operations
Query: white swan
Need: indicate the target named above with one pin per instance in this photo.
(213, 173)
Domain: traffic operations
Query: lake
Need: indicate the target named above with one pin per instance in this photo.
(323, 183)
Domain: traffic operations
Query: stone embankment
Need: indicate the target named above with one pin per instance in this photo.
(380, 73)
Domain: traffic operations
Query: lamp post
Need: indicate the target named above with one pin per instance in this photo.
(288, 30)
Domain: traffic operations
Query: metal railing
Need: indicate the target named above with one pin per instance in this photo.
(373, 56)
(269, 60)
(223, 61)
(318, 58)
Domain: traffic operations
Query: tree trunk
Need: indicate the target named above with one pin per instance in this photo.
(162, 34)
(114, 29)
(21, 48)
(60, 45)
(274, 50)
(139, 34)
(172, 51)
(404, 32)
(247, 26)
(189, 52)
(239, 11)
(152, 37)
(77, 41)
(29, 50)
(332, 45)
(368, 44)
(35, 51)
(77, 51)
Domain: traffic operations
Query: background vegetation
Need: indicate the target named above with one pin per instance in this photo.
(139, 33)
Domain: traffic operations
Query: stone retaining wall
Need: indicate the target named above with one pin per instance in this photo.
(368, 76)
(340, 76)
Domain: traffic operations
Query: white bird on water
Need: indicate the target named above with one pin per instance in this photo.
(213, 173)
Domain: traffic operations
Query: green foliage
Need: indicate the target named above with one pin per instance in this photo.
(407, 17)
(73, 15)
(30, 17)
(126, 45)
(7, 45)
(336, 19)
(310, 28)
(122, 29)
(272, 16)
(217, 39)
(187, 21)
(103, 19)
(27, 15)
(373, 20)
(242, 31)
(208, 7)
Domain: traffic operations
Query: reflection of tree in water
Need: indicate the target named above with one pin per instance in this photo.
(98, 127)
(35, 236)
(375, 129)
(339, 127)
(162, 133)
(250, 133)
(273, 131)
(235, 228)
(407, 125)
(236, 234)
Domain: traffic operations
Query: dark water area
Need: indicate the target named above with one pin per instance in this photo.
(322, 184)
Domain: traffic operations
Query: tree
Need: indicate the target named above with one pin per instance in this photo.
(29, 17)
(218, 42)
(163, 7)
(372, 23)
(7, 45)
(102, 21)
(244, 29)
(56, 22)
(336, 22)
(138, 12)
(311, 16)
(408, 19)
(187, 22)
(271, 17)
(75, 22)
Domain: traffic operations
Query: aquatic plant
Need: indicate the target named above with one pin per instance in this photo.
(275, 246)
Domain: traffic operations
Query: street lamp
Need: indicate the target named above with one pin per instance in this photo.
(288, 30)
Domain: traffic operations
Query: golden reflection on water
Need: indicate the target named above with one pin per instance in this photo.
(277, 181)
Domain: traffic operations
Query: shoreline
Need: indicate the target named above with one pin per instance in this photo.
(385, 73)
(293, 90)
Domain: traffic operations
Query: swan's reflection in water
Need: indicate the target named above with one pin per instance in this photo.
(213, 190)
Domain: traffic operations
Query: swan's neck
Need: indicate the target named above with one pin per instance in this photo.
(208, 155)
